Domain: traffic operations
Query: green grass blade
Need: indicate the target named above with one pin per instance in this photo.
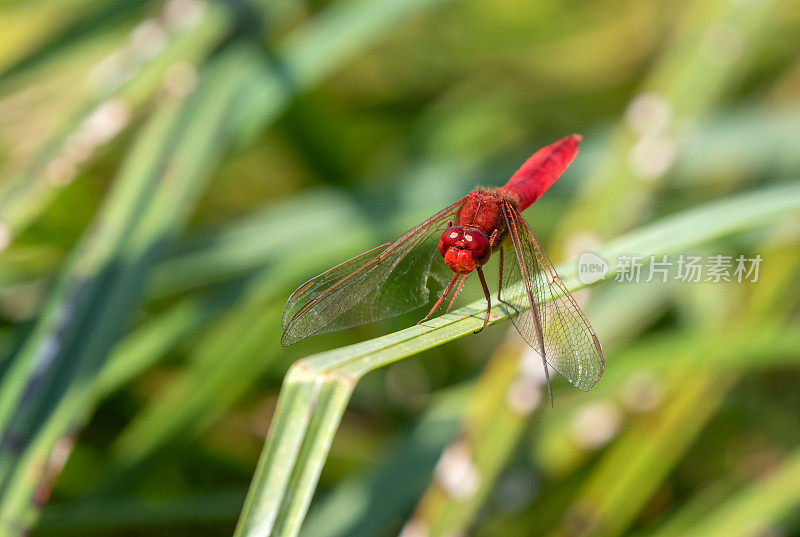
(25, 196)
(286, 476)
(43, 392)
(758, 507)
(354, 509)
(492, 424)
(619, 181)
(133, 514)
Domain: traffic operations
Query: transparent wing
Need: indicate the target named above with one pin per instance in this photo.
(547, 315)
(383, 282)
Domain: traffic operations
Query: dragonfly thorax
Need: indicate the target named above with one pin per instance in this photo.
(482, 210)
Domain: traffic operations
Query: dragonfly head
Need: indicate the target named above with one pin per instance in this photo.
(463, 250)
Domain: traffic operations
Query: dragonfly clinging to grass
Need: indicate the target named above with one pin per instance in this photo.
(392, 278)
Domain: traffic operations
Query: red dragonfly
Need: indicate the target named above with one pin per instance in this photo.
(393, 278)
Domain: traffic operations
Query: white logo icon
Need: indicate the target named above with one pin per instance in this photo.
(591, 268)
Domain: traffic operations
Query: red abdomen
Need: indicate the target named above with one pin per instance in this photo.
(540, 171)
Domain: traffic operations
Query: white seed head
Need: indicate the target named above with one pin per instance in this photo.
(5, 236)
(60, 453)
(595, 424)
(652, 156)
(648, 113)
(524, 395)
(642, 392)
(456, 472)
(180, 14)
(415, 528)
(148, 39)
(531, 365)
(105, 121)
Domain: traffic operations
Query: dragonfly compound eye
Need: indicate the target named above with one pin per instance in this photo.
(478, 244)
(452, 236)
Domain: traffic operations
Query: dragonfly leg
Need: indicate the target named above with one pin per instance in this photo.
(500, 279)
(441, 298)
(488, 299)
(511, 309)
(458, 290)
(493, 238)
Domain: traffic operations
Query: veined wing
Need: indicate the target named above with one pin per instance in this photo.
(383, 282)
(548, 318)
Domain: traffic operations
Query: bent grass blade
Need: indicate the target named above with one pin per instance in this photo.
(306, 418)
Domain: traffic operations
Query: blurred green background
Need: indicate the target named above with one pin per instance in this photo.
(171, 171)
